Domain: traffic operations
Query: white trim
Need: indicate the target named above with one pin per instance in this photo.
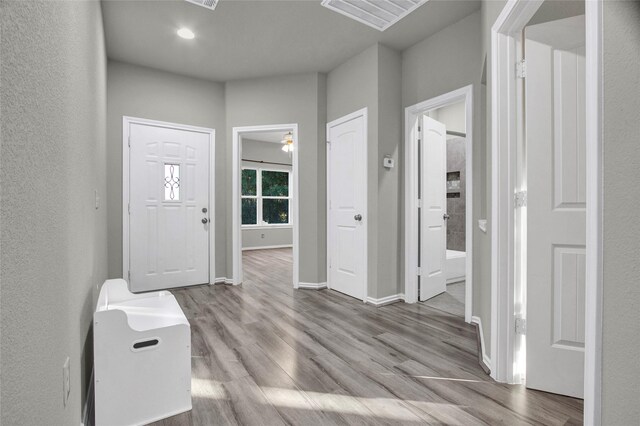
(385, 300)
(507, 27)
(483, 347)
(126, 123)
(312, 286)
(411, 230)
(267, 247)
(274, 226)
(593, 279)
(364, 112)
(236, 198)
(223, 280)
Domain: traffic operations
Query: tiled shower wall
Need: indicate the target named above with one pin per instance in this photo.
(456, 207)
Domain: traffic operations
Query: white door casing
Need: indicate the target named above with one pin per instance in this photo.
(556, 204)
(346, 204)
(433, 235)
(167, 180)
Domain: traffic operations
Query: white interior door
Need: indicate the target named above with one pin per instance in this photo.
(433, 233)
(556, 222)
(169, 203)
(347, 245)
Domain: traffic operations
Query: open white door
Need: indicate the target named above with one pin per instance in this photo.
(169, 207)
(433, 213)
(346, 199)
(556, 205)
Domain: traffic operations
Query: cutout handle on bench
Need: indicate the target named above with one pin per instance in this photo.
(145, 344)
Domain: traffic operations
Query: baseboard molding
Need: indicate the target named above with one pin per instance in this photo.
(88, 404)
(385, 300)
(223, 280)
(267, 247)
(483, 359)
(312, 286)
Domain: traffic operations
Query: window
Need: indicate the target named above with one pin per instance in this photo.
(172, 182)
(265, 197)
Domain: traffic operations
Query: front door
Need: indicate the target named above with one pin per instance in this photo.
(168, 207)
(346, 159)
(556, 205)
(433, 210)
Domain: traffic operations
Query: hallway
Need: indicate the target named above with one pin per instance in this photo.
(266, 354)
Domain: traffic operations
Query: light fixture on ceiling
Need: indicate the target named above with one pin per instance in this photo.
(209, 4)
(287, 140)
(379, 14)
(186, 33)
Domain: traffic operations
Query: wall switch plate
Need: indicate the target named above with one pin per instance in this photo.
(261, 235)
(66, 381)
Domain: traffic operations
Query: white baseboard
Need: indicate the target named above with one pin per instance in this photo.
(483, 346)
(385, 300)
(88, 404)
(312, 286)
(267, 247)
(223, 280)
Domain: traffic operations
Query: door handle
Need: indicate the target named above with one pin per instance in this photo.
(358, 217)
(205, 220)
(445, 216)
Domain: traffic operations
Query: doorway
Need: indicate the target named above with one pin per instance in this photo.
(168, 205)
(546, 212)
(265, 197)
(439, 202)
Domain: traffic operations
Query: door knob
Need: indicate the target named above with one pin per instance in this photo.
(204, 210)
(445, 216)
(205, 220)
(358, 217)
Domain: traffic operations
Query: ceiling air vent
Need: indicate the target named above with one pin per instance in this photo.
(379, 14)
(209, 4)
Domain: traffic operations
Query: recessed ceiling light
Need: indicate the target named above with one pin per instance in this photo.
(186, 33)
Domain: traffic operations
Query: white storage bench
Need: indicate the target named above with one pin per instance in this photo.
(142, 356)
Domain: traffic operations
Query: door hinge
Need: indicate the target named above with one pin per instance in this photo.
(521, 326)
(418, 271)
(520, 199)
(521, 69)
(419, 128)
(129, 208)
(419, 203)
(129, 276)
(129, 141)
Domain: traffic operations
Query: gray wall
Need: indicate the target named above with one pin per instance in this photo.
(621, 169)
(53, 107)
(446, 61)
(272, 152)
(146, 93)
(372, 80)
(297, 99)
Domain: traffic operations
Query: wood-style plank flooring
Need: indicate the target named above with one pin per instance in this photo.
(264, 354)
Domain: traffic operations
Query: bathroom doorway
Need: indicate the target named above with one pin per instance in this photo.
(439, 200)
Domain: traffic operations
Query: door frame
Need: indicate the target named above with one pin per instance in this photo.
(411, 196)
(364, 114)
(506, 47)
(126, 164)
(236, 207)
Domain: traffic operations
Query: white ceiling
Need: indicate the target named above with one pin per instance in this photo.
(247, 39)
(275, 137)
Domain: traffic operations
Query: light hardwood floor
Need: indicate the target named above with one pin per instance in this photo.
(264, 354)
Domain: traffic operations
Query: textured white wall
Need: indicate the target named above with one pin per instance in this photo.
(621, 239)
(53, 107)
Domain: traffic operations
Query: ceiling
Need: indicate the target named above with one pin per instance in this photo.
(246, 39)
(275, 137)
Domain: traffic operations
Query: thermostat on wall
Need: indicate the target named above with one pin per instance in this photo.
(388, 162)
